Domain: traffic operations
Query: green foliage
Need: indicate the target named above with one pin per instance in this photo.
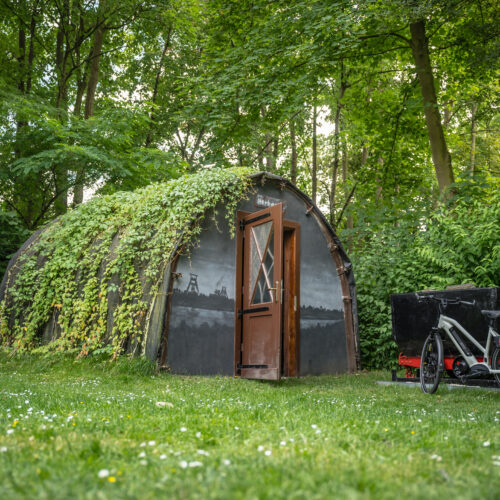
(458, 244)
(115, 243)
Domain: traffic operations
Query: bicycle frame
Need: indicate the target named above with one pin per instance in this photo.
(446, 323)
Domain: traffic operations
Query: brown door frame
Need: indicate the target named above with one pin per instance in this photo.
(291, 299)
(290, 333)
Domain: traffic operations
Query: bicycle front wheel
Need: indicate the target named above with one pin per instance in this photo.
(495, 363)
(431, 363)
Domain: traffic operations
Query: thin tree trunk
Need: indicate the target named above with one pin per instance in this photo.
(60, 67)
(152, 116)
(61, 171)
(94, 71)
(21, 59)
(379, 195)
(93, 80)
(314, 157)
(293, 167)
(336, 156)
(440, 154)
(31, 54)
(81, 80)
(473, 134)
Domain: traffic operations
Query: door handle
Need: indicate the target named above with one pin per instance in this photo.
(276, 291)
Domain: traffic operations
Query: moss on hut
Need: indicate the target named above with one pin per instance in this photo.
(94, 273)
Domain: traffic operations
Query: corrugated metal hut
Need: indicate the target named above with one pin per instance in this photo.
(220, 272)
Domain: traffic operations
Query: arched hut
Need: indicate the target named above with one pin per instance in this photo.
(218, 272)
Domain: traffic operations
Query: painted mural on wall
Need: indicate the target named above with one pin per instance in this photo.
(202, 318)
(201, 333)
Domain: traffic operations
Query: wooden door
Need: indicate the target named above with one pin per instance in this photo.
(262, 286)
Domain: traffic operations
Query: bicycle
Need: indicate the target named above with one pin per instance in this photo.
(466, 365)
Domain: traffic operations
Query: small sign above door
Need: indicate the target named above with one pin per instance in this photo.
(263, 201)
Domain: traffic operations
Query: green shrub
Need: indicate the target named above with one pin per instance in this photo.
(460, 243)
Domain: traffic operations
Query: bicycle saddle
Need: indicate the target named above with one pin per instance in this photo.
(491, 314)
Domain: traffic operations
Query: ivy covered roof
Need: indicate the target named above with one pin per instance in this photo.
(116, 245)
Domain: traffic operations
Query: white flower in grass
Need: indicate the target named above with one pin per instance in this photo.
(267, 453)
(3, 449)
(151, 443)
(183, 429)
(163, 456)
(203, 452)
(142, 445)
(10, 431)
(143, 462)
(226, 462)
(283, 443)
(260, 448)
(183, 464)
(103, 473)
(198, 434)
(195, 464)
(486, 444)
(314, 426)
(142, 454)
(435, 457)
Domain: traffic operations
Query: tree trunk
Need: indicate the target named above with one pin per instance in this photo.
(21, 62)
(31, 54)
(293, 167)
(336, 154)
(61, 68)
(152, 116)
(473, 134)
(95, 59)
(93, 80)
(21, 59)
(314, 157)
(440, 154)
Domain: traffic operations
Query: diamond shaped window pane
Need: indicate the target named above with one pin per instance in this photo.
(265, 275)
(258, 240)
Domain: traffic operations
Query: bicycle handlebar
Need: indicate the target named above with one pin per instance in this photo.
(443, 301)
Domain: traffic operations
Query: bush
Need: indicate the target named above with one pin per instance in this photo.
(460, 243)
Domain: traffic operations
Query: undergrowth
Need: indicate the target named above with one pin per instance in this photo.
(409, 250)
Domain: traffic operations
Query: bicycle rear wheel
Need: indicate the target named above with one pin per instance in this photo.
(495, 363)
(431, 363)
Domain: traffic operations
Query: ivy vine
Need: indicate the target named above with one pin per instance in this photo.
(113, 246)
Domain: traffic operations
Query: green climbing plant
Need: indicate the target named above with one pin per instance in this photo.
(113, 247)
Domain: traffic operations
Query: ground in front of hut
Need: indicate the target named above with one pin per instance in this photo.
(95, 429)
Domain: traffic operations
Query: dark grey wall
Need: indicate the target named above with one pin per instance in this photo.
(201, 333)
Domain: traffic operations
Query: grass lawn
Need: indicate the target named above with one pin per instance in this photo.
(92, 429)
